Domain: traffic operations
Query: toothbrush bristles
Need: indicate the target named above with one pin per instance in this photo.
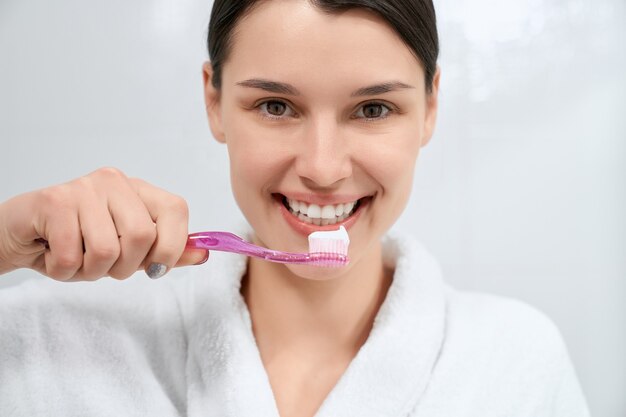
(328, 259)
(329, 248)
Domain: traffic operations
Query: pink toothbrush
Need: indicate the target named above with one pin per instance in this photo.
(325, 248)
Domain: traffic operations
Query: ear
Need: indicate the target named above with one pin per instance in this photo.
(432, 104)
(212, 102)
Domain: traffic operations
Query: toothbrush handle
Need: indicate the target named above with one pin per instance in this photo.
(223, 241)
(229, 242)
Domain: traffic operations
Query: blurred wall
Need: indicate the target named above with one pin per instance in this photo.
(521, 192)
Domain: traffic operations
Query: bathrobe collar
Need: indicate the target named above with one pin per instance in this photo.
(387, 377)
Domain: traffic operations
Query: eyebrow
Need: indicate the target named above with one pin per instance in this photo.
(376, 89)
(284, 88)
(271, 86)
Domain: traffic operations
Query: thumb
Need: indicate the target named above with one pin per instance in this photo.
(193, 256)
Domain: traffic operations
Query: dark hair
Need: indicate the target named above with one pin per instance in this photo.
(413, 20)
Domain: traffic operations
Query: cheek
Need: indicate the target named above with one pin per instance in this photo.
(392, 164)
(400, 183)
(251, 161)
(255, 160)
(392, 161)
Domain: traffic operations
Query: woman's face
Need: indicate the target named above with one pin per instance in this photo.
(322, 110)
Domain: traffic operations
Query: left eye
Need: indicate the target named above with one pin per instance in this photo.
(373, 111)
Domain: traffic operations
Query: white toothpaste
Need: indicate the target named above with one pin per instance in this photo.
(332, 241)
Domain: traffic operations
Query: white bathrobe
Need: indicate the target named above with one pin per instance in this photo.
(183, 346)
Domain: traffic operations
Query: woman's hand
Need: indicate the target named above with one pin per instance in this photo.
(102, 224)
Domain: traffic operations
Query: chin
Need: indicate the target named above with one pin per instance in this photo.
(318, 273)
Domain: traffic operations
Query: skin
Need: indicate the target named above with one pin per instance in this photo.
(101, 224)
(310, 322)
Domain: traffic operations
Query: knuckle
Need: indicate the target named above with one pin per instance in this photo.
(143, 235)
(57, 196)
(179, 206)
(63, 267)
(68, 261)
(110, 172)
(103, 252)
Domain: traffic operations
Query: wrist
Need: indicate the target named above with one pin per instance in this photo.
(5, 265)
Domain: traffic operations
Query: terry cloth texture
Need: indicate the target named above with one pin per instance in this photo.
(183, 346)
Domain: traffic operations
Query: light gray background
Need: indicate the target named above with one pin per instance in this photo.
(522, 191)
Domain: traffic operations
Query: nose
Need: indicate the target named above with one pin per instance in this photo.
(323, 159)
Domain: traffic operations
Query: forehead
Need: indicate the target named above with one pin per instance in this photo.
(288, 39)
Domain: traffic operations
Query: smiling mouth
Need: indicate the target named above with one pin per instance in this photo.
(321, 215)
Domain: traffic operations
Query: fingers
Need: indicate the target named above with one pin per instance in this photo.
(102, 245)
(65, 256)
(135, 227)
(171, 214)
(101, 224)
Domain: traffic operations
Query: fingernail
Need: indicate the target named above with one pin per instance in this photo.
(206, 258)
(156, 270)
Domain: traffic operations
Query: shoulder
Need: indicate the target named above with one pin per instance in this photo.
(491, 314)
(506, 338)
(504, 356)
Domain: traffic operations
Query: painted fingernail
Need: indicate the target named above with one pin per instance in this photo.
(156, 270)
(206, 258)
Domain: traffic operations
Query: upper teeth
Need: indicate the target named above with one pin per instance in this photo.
(321, 212)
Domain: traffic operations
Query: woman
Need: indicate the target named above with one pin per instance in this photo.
(319, 103)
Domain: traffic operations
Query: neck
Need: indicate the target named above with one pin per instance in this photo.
(294, 314)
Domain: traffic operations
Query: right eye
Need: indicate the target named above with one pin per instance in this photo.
(275, 109)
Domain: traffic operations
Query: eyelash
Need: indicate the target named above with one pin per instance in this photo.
(389, 110)
(267, 116)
